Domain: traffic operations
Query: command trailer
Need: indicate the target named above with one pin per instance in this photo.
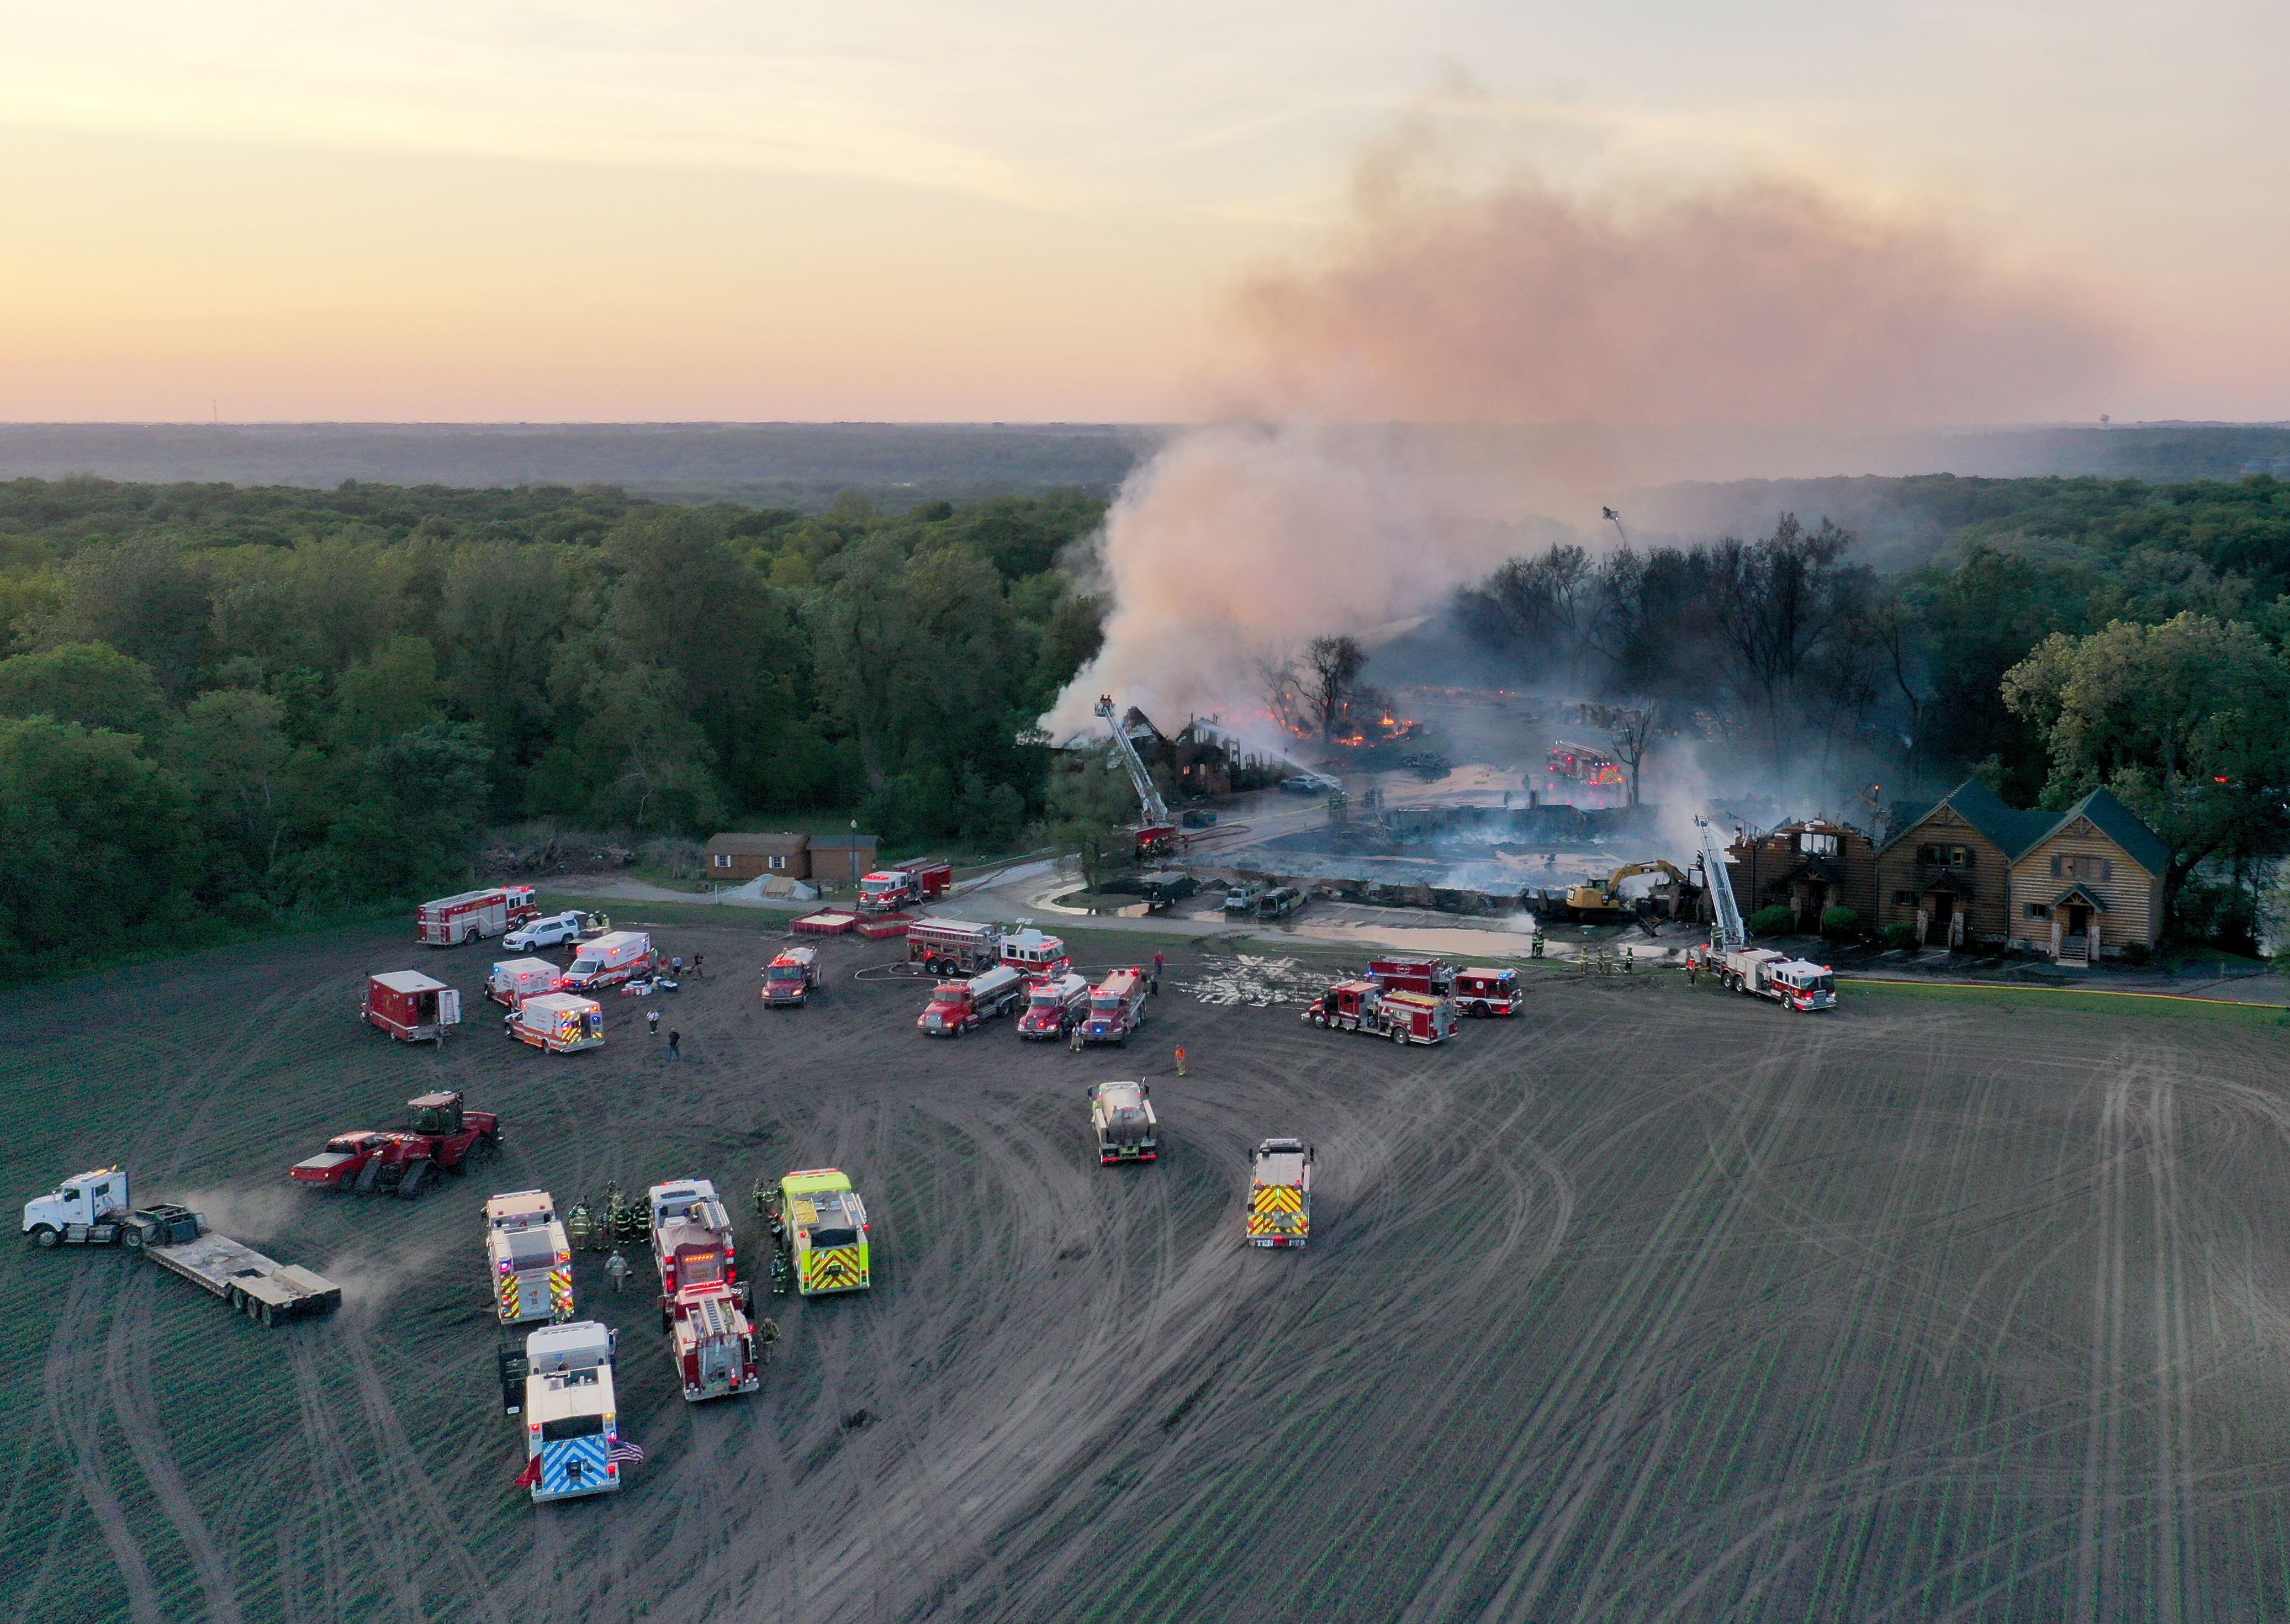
(616, 956)
(450, 921)
(790, 977)
(558, 1022)
(512, 981)
(528, 1260)
(572, 1425)
(411, 1007)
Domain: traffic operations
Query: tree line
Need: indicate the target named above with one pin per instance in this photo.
(2072, 634)
(237, 704)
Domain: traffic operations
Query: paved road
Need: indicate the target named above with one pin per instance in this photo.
(1656, 1304)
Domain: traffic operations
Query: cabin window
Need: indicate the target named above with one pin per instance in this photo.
(1947, 856)
(1904, 896)
(2082, 867)
(723, 859)
(779, 862)
(2039, 910)
(1816, 845)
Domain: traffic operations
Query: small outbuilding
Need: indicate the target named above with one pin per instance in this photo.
(735, 858)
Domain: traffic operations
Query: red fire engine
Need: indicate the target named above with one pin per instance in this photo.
(890, 889)
(1485, 990)
(450, 921)
(1408, 973)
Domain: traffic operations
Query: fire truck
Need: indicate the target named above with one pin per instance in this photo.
(1402, 1017)
(1280, 1193)
(1127, 1131)
(1795, 983)
(1485, 990)
(1116, 1008)
(888, 890)
(1052, 1006)
(619, 955)
(1577, 775)
(409, 1006)
(528, 1258)
(691, 1239)
(1409, 974)
(957, 1006)
(450, 921)
(790, 976)
(571, 1426)
(950, 946)
(821, 1224)
(1032, 953)
(712, 1343)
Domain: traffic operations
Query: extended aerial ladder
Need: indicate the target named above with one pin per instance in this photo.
(1158, 832)
(1726, 932)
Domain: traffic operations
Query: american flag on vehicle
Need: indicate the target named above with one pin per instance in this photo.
(624, 1453)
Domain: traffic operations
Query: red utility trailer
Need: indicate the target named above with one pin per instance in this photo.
(450, 921)
(409, 1006)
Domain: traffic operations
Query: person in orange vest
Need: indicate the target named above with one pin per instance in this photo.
(1180, 1059)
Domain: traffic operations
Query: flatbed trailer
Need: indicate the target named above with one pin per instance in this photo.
(259, 1287)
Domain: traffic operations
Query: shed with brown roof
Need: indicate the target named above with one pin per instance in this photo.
(735, 857)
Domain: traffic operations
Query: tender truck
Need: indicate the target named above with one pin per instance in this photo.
(956, 1007)
(821, 1224)
(91, 1209)
(572, 1425)
(1127, 1131)
(1280, 1193)
(557, 1022)
(450, 921)
(1116, 1008)
(952, 946)
(528, 1260)
(888, 890)
(1052, 1006)
(790, 977)
(1795, 983)
(1483, 990)
(411, 1007)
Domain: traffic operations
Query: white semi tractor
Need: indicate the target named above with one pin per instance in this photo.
(94, 1209)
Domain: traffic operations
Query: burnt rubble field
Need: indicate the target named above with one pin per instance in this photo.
(1655, 1303)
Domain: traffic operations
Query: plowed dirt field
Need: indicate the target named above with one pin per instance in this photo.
(1654, 1304)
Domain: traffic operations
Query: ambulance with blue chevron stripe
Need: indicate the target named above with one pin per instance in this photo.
(1280, 1193)
(823, 1229)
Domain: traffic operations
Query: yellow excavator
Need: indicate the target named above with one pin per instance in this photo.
(1606, 896)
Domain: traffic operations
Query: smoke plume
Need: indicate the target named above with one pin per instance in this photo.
(1570, 340)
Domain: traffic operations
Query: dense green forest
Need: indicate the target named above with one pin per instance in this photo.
(242, 703)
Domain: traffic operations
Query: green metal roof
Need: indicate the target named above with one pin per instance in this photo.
(2017, 832)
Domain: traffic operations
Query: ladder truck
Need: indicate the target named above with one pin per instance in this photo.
(1158, 834)
(1796, 984)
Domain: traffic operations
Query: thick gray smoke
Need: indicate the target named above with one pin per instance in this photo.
(1645, 316)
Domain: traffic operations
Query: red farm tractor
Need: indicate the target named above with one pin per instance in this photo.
(440, 1135)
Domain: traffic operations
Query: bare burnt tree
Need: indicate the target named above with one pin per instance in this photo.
(1332, 667)
(1780, 605)
(1281, 687)
(1633, 726)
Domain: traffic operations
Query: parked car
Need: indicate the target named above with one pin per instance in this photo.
(553, 932)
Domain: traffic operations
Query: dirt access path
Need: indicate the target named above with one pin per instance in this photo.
(1654, 1304)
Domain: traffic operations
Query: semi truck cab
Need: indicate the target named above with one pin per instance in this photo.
(79, 1202)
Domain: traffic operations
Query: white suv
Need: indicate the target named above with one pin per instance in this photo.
(549, 932)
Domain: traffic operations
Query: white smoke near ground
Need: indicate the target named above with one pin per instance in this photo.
(1530, 347)
(252, 1215)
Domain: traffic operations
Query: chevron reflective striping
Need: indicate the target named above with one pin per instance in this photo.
(1279, 1199)
(560, 1292)
(834, 1270)
(507, 1295)
(574, 1465)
